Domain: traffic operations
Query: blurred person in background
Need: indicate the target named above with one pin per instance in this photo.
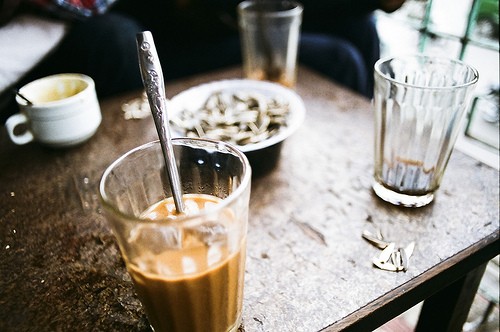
(339, 39)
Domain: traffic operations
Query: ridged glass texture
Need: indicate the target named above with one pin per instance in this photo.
(420, 102)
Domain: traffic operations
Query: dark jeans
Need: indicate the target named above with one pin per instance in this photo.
(344, 51)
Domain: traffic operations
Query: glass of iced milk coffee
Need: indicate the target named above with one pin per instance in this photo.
(187, 268)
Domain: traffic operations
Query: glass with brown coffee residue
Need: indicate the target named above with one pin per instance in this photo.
(270, 32)
(420, 102)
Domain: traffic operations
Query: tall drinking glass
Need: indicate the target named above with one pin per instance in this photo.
(188, 269)
(420, 102)
(270, 32)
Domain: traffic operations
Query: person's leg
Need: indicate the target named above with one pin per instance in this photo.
(335, 58)
(362, 33)
(104, 48)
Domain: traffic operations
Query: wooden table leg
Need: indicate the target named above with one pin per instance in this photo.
(447, 310)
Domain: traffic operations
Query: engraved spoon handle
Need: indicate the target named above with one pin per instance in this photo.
(152, 78)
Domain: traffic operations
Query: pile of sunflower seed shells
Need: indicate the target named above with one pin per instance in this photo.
(240, 118)
(137, 108)
(392, 258)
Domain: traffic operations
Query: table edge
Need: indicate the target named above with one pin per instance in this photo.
(374, 315)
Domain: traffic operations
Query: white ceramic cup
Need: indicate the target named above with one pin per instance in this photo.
(64, 111)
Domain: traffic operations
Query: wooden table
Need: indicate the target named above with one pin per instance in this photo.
(308, 268)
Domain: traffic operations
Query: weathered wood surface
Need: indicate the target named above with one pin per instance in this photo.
(307, 265)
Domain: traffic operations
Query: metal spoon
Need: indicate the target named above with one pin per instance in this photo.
(23, 97)
(152, 77)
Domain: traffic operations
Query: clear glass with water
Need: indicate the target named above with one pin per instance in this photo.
(420, 102)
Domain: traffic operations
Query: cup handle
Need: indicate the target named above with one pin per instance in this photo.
(11, 124)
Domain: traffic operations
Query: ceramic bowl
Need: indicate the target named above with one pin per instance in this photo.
(262, 154)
